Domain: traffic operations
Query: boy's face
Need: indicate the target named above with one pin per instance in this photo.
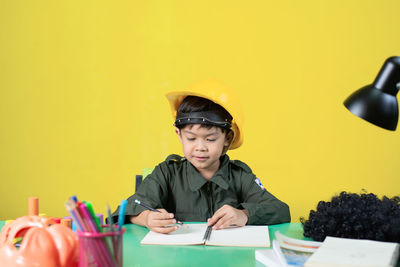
(202, 146)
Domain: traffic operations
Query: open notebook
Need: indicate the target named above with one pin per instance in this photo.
(193, 234)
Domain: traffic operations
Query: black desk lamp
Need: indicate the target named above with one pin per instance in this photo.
(377, 102)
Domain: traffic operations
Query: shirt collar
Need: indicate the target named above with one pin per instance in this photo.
(196, 180)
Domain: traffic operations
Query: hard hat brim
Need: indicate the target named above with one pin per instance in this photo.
(175, 98)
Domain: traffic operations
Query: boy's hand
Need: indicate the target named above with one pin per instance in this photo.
(158, 221)
(228, 216)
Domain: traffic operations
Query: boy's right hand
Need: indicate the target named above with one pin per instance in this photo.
(160, 222)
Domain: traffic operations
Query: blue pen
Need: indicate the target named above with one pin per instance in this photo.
(74, 198)
(121, 216)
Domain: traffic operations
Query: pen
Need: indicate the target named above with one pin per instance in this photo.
(207, 233)
(95, 218)
(111, 229)
(74, 211)
(100, 244)
(74, 198)
(111, 226)
(150, 208)
(71, 208)
(121, 215)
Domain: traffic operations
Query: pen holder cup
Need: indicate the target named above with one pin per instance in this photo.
(101, 249)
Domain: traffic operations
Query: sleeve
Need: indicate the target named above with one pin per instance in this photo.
(152, 191)
(262, 206)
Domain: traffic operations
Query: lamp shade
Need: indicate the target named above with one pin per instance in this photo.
(377, 102)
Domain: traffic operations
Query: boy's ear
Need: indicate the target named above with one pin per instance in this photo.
(178, 132)
(228, 139)
(228, 142)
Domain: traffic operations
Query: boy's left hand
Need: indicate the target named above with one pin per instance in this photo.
(228, 216)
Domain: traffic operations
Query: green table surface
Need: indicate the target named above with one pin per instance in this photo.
(135, 254)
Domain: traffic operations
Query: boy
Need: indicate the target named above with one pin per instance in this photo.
(204, 185)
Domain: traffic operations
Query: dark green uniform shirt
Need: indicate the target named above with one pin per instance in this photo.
(178, 187)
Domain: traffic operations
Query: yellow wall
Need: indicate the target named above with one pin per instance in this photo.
(82, 83)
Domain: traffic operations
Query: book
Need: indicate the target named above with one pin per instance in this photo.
(335, 252)
(286, 252)
(269, 257)
(193, 234)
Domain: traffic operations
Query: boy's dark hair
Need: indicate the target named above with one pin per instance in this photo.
(192, 104)
(355, 216)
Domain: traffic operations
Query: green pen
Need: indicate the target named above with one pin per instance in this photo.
(96, 219)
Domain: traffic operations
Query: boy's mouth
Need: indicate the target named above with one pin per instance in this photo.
(200, 158)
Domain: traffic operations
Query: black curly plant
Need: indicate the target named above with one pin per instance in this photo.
(358, 216)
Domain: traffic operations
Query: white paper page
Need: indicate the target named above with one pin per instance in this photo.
(246, 236)
(188, 234)
(268, 257)
(353, 252)
(278, 252)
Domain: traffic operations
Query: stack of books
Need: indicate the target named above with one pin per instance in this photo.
(333, 252)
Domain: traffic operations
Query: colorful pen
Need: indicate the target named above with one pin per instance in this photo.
(74, 211)
(71, 208)
(103, 251)
(95, 218)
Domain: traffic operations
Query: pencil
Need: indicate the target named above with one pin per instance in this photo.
(140, 203)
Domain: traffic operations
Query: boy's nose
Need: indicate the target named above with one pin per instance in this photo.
(201, 146)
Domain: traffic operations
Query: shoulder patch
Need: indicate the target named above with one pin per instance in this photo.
(258, 182)
(242, 165)
(174, 158)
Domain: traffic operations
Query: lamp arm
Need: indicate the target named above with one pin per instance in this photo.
(388, 78)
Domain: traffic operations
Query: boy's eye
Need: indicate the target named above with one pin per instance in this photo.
(211, 140)
(190, 139)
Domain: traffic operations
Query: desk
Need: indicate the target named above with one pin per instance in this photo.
(136, 254)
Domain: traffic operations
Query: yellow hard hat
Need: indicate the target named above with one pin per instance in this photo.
(218, 93)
